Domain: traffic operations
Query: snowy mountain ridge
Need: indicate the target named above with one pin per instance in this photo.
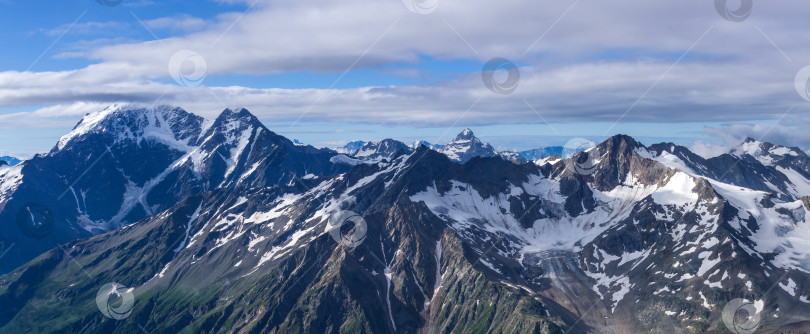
(466, 146)
(170, 125)
(126, 162)
(619, 238)
(462, 148)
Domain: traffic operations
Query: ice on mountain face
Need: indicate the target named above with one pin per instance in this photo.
(750, 147)
(374, 152)
(465, 208)
(278, 251)
(191, 220)
(759, 305)
(489, 265)
(10, 180)
(790, 287)
(134, 123)
(762, 152)
(419, 143)
(87, 124)
(452, 153)
(469, 213)
(706, 303)
(232, 141)
(350, 148)
(713, 241)
(388, 275)
(785, 236)
(799, 185)
(510, 156)
(677, 191)
(663, 290)
(667, 159)
(624, 284)
(133, 197)
(764, 163)
(708, 263)
(783, 151)
(232, 224)
(345, 160)
(549, 160)
(466, 146)
(364, 152)
(438, 258)
(612, 288)
(239, 140)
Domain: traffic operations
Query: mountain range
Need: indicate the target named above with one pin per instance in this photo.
(121, 164)
(225, 227)
(461, 149)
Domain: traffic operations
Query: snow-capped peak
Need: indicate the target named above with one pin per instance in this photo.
(384, 149)
(466, 146)
(748, 146)
(350, 148)
(764, 152)
(168, 124)
(87, 123)
(237, 116)
(418, 143)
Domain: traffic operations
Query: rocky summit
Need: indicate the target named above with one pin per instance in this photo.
(222, 226)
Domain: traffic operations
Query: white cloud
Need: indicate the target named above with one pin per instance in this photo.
(178, 23)
(599, 92)
(56, 116)
(709, 149)
(283, 36)
(591, 65)
(787, 131)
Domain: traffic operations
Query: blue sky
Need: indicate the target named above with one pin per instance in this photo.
(330, 72)
(29, 29)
